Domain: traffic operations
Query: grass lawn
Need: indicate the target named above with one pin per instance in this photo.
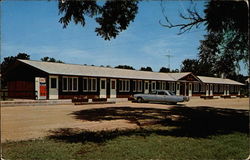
(151, 143)
(183, 133)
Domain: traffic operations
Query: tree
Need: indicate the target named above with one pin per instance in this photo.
(164, 69)
(197, 67)
(190, 65)
(113, 16)
(125, 67)
(49, 59)
(146, 69)
(226, 43)
(7, 63)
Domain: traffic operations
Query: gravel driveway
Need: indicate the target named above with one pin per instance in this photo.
(30, 122)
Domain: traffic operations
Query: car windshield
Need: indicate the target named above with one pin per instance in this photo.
(153, 92)
(171, 93)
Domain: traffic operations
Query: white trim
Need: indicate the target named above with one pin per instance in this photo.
(72, 84)
(124, 85)
(178, 85)
(153, 82)
(92, 85)
(196, 87)
(139, 86)
(87, 85)
(103, 91)
(64, 90)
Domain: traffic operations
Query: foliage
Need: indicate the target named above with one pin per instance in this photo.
(167, 70)
(50, 59)
(164, 69)
(197, 67)
(226, 44)
(7, 63)
(146, 69)
(113, 16)
(125, 67)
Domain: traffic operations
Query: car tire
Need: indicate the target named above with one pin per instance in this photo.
(140, 100)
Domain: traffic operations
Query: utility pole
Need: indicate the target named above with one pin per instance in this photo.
(169, 56)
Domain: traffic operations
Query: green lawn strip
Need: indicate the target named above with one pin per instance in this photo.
(153, 146)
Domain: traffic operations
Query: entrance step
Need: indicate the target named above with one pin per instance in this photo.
(117, 100)
(17, 102)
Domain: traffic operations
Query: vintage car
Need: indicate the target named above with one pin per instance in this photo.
(160, 96)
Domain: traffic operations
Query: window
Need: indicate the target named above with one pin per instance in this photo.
(202, 87)
(231, 88)
(75, 84)
(139, 86)
(237, 88)
(103, 84)
(70, 84)
(92, 84)
(53, 82)
(65, 84)
(164, 85)
(128, 85)
(171, 86)
(158, 86)
(153, 85)
(215, 87)
(112, 84)
(134, 85)
(124, 85)
(221, 88)
(85, 84)
(161, 93)
(196, 87)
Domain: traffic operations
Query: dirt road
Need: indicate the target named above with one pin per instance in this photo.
(30, 122)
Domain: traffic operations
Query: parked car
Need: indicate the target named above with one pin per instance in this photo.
(160, 96)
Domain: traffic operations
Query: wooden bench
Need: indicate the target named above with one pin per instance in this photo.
(225, 96)
(206, 97)
(240, 96)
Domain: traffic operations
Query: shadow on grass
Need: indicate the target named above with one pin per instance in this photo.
(196, 122)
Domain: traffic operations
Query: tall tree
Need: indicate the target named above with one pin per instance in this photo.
(125, 67)
(164, 70)
(113, 16)
(146, 69)
(197, 67)
(51, 59)
(7, 63)
(226, 43)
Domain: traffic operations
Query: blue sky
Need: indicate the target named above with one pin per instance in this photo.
(33, 27)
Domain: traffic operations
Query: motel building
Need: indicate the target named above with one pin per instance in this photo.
(30, 79)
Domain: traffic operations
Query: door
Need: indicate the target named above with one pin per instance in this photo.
(53, 87)
(112, 88)
(178, 89)
(207, 90)
(211, 89)
(103, 86)
(190, 89)
(146, 87)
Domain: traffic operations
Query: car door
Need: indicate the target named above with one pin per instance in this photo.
(152, 96)
(169, 97)
(161, 96)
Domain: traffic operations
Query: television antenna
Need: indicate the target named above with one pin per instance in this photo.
(169, 56)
